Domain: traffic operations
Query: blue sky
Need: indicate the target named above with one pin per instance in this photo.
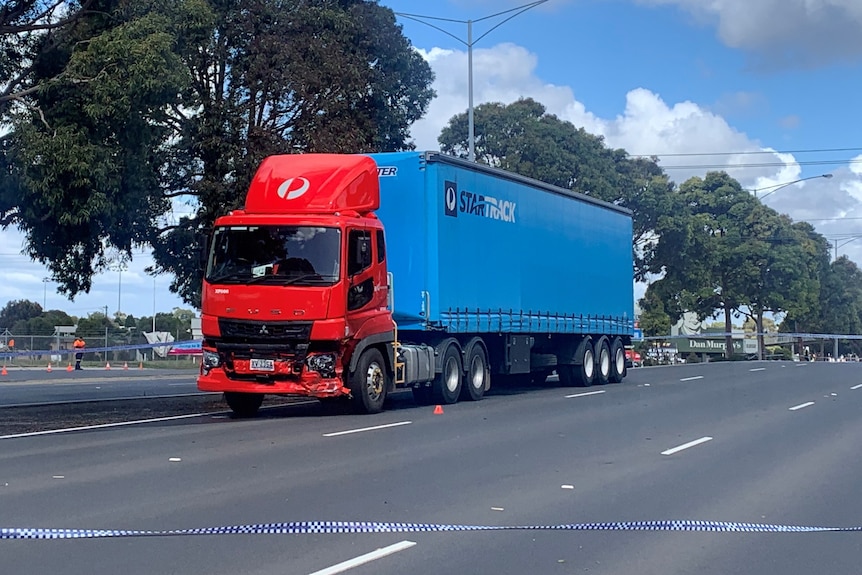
(653, 77)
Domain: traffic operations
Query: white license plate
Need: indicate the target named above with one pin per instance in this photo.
(262, 365)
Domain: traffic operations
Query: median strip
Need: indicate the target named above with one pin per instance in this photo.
(685, 446)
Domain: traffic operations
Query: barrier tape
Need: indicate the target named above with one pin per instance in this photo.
(335, 527)
(183, 344)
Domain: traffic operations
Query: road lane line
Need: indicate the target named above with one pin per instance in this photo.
(692, 378)
(104, 425)
(367, 558)
(585, 394)
(857, 386)
(758, 369)
(686, 446)
(363, 429)
(802, 405)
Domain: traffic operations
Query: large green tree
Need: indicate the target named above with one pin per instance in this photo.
(191, 95)
(838, 308)
(21, 310)
(524, 138)
(26, 26)
(698, 253)
(654, 319)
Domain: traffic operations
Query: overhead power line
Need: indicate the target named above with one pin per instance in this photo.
(750, 152)
(761, 165)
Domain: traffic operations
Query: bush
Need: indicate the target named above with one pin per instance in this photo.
(692, 358)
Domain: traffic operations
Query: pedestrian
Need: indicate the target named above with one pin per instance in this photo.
(79, 345)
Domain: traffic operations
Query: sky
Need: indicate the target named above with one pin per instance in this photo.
(767, 90)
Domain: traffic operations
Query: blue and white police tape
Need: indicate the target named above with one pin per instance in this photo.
(335, 527)
(186, 345)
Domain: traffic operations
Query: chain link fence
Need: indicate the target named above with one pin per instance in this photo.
(58, 351)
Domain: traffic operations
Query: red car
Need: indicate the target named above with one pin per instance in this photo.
(633, 358)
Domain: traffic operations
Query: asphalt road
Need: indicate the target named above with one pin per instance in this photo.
(37, 386)
(783, 448)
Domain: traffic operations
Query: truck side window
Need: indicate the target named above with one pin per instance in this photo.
(381, 247)
(359, 251)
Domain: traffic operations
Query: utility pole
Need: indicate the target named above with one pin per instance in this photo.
(469, 43)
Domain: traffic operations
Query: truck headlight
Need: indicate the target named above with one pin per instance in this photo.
(322, 363)
(211, 359)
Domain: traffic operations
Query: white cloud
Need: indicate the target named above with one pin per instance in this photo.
(786, 33)
(23, 280)
(649, 125)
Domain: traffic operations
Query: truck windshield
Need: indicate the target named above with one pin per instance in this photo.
(278, 255)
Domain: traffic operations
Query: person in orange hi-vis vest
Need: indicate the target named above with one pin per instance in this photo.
(79, 345)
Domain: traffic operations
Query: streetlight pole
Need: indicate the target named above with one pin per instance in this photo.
(847, 239)
(45, 292)
(120, 268)
(470, 42)
(784, 185)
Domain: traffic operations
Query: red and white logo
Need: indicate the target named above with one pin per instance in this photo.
(293, 188)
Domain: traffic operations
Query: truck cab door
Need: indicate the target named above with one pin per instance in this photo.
(360, 272)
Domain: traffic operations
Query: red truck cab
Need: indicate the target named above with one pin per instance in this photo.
(295, 292)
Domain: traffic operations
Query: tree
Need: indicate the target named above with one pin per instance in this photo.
(838, 308)
(18, 310)
(25, 27)
(699, 249)
(778, 266)
(191, 95)
(523, 138)
(85, 161)
(654, 320)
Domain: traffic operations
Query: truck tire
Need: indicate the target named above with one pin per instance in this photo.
(603, 362)
(618, 361)
(478, 373)
(446, 387)
(582, 374)
(243, 404)
(368, 383)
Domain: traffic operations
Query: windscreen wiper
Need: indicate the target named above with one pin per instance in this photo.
(307, 277)
(233, 276)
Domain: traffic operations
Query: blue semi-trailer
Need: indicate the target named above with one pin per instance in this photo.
(417, 270)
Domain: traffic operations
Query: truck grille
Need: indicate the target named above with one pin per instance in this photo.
(243, 339)
(244, 331)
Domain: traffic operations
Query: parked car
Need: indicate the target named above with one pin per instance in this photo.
(633, 358)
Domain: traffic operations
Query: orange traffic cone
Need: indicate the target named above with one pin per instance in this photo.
(3, 371)
(49, 367)
(438, 410)
(125, 365)
(107, 365)
(69, 367)
(141, 365)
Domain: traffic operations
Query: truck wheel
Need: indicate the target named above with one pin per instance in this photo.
(618, 361)
(243, 404)
(447, 384)
(478, 374)
(603, 362)
(587, 369)
(368, 383)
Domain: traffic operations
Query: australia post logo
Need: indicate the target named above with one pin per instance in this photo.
(293, 188)
(475, 204)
